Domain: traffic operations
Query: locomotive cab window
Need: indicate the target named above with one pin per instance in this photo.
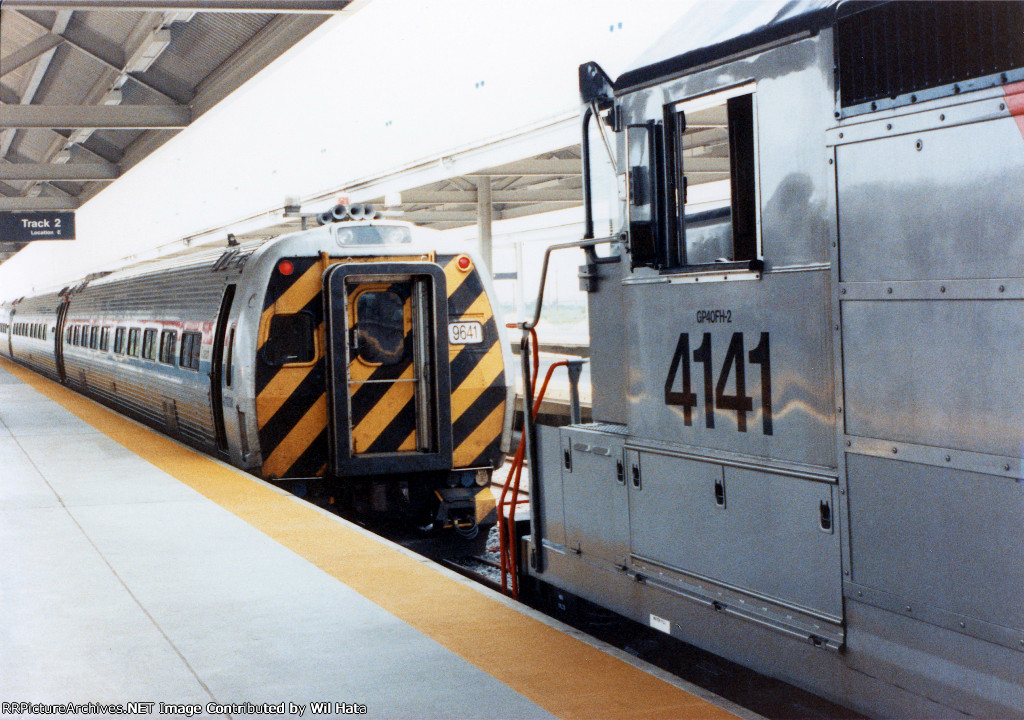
(692, 186)
(380, 328)
(715, 169)
(290, 340)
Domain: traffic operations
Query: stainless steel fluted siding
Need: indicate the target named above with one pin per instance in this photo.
(36, 353)
(188, 293)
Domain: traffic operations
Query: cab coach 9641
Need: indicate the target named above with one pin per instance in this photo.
(353, 360)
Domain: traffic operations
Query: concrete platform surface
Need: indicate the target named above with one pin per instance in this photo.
(135, 570)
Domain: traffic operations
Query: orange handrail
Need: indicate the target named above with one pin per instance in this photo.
(516, 469)
(507, 540)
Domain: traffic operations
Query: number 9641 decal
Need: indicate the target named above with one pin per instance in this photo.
(465, 333)
(714, 393)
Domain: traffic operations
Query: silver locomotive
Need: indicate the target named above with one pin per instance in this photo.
(806, 353)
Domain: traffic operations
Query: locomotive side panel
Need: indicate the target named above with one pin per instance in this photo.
(932, 251)
(712, 333)
(709, 331)
(922, 199)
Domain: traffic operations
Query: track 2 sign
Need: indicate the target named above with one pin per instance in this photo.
(23, 227)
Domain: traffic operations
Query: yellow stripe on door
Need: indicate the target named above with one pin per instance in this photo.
(383, 413)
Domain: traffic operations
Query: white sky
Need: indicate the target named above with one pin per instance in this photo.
(397, 81)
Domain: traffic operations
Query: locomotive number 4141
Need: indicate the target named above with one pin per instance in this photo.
(715, 395)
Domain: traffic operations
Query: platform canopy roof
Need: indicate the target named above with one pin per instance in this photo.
(88, 88)
(525, 171)
(545, 182)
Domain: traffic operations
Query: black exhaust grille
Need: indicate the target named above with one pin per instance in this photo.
(903, 47)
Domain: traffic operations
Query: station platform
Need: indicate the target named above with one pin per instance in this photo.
(136, 570)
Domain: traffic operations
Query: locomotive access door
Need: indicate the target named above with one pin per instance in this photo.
(388, 376)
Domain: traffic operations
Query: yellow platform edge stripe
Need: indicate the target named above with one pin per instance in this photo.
(561, 673)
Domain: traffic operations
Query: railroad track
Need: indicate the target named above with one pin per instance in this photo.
(476, 568)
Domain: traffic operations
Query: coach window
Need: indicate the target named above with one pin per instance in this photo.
(380, 328)
(119, 340)
(191, 343)
(105, 339)
(168, 346)
(149, 344)
(75, 335)
(94, 337)
(133, 341)
(290, 340)
(714, 161)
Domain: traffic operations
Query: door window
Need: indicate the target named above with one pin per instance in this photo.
(380, 328)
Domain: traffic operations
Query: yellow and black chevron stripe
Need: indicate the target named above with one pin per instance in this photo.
(291, 401)
(477, 373)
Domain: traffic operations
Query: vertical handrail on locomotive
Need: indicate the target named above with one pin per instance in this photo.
(597, 96)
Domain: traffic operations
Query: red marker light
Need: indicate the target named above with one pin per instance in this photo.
(464, 262)
(285, 267)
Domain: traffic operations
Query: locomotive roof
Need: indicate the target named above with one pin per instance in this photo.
(712, 31)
